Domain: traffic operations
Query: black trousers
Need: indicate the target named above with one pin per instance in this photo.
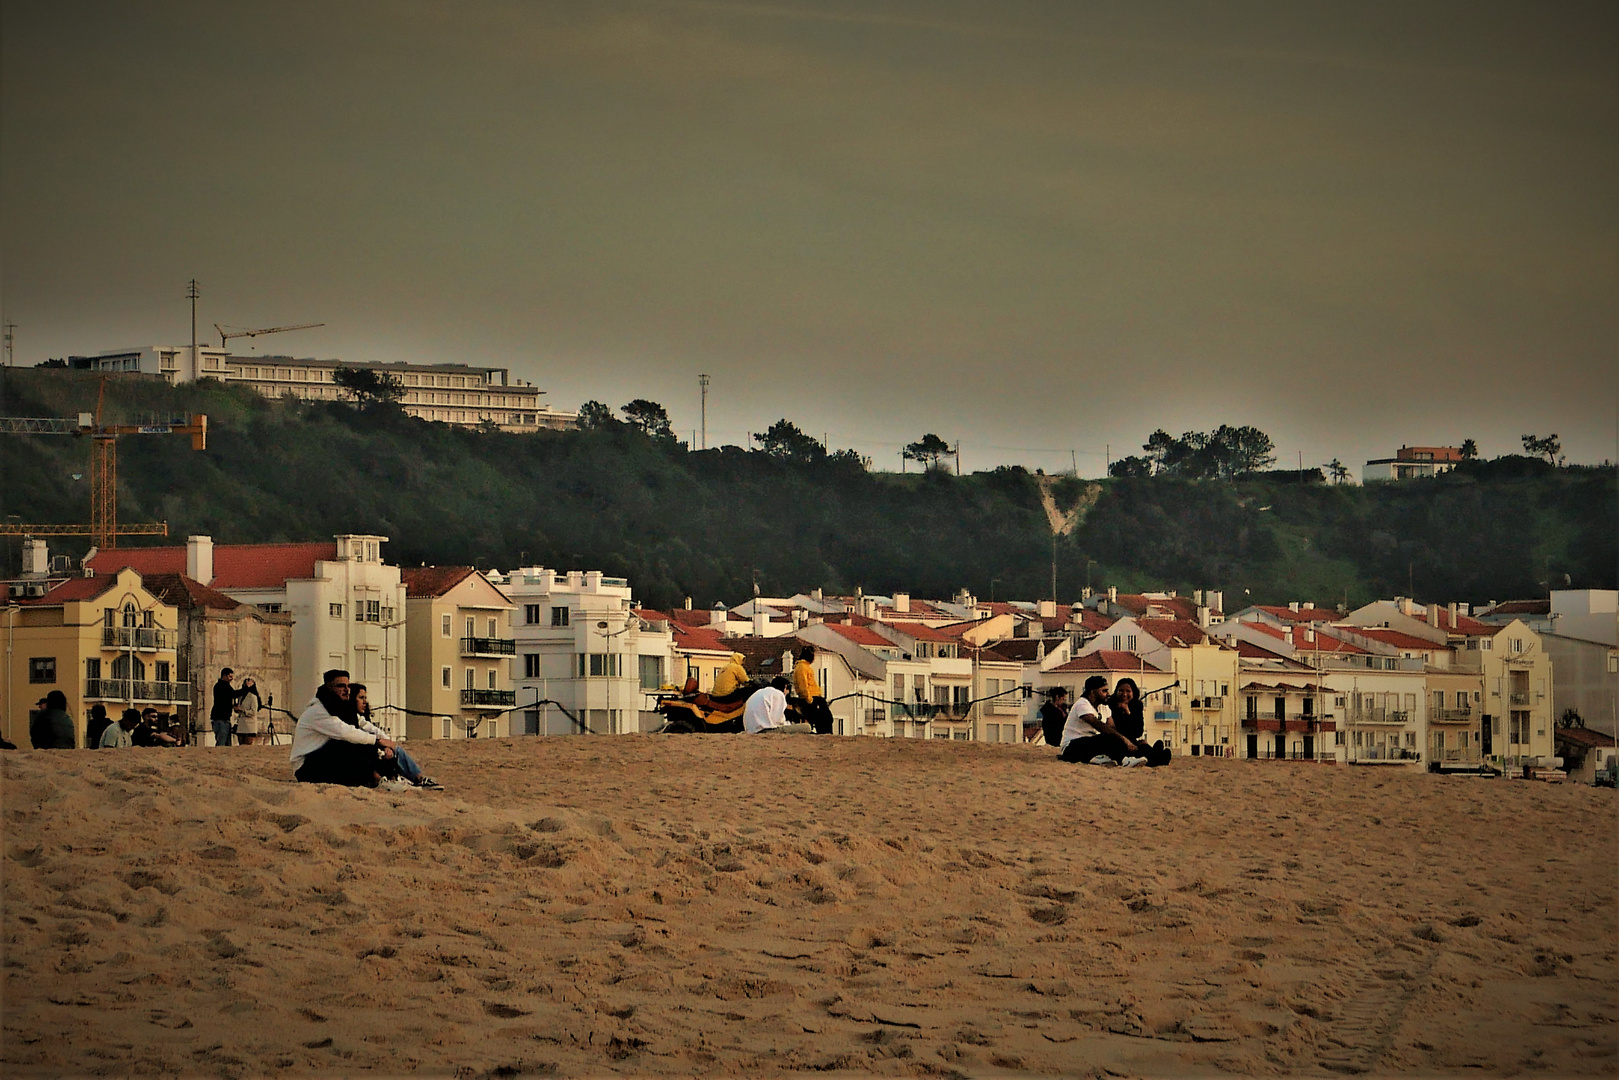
(1081, 750)
(346, 763)
(819, 716)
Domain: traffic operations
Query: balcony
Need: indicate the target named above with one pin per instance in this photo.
(1378, 716)
(876, 716)
(1261, 723)
(488, 699)
(1208, 704)
(1471, 755)
(135, 690)
(1519, 699)
(1360, 754)
(149, 639)
(1270, 754)
(1451, 716)
(1168, 715)
(488, 646)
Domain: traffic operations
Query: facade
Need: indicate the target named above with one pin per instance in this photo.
(217, 632)
(1412, 462)
(1285, 717)
(1518, 694)
(460, 394)
(347, 605)
(580, 642)
(1587, 680)
(1455, 718)
(458, 635)
(104, 639)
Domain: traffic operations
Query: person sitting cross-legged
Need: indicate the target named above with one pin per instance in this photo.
(767, 711)
(360, 717)
(1091, 737)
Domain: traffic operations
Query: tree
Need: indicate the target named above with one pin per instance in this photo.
(1242, 450)
(649, 418)
(1549, 447)
(1337, 471)
(1469, 450)
(929, 450)
(1131, 466)
(784, 440)
(593, 415)
(369, 387)
(1159, 445)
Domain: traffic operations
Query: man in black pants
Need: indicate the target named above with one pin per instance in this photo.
(1088, 734)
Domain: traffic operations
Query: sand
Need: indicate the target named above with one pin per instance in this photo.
(760, 905)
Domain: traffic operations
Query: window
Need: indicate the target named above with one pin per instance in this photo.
(444, 626)
(491, 678)
(160, 671)
(269, 609)
(899, 688)
(444, 678)
(531, 665)
(651, 672)
(603, 665)
(470, 676)
(1613, 663)
(92, 668)
(961, 695)
(42, 669)
(559, 615)
(494, 727)
(335, 610)
(446, 727)
(490, 623)
(531, 614)
(1253, 707)
(472, 630)
(373, 611)
(1130, 643)
(1438, 699)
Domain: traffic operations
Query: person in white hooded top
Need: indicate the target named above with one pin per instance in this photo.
(326, 749)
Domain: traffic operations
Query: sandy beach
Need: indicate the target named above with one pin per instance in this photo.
(751, 905)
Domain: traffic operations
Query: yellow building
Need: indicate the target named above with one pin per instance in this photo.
(1517, 692)
(458, 638)
(99, 640)
(1455, 714)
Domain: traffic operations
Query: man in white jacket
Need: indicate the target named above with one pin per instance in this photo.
(326, 749)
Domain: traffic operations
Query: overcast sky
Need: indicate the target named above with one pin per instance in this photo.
(1038, 229)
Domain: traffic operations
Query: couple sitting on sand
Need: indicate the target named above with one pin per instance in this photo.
(1092, 732)
(335, 742)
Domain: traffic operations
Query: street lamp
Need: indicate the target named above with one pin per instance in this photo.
(607, 658)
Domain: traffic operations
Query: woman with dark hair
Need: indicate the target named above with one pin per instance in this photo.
(1130, 717)
(406, 765)
(97, 723)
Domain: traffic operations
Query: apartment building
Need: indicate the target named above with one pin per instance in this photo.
(461, 394)
(582, 643)
(1412, 462)
(458, 633)
(104, 639)
(347, 606)
(1455, 739)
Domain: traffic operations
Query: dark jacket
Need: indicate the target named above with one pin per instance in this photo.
(224, 701)
(1052, 720)
(93, 728)
(1131, 724)
(57, 726)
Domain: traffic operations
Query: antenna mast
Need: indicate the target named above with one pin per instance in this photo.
(702, 383)
(11, 343)
(192, 293)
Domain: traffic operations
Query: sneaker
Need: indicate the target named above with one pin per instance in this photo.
(1132, 762)
(1102, 759)
(393, 785)
(428, 783)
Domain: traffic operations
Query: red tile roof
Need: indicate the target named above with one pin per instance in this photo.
(177, 590)
(78, 588)
(1583, 737)
(698, 638)
(1324, 642)
(1303, 614)
(1095, 621)
(1467, 625)
(1521, 607)
(1250, 651)
(1267, 628)
(1400, 640)
(689, 616)
(432, 580)
(236, 566)
(1171, 631)
(1108, 660)
(1025, 650)
(860, 635)
(921, 632)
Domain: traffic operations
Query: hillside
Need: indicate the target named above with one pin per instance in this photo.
(707, 524)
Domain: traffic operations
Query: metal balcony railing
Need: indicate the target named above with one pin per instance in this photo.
(876, 716)
(489, 699)
(1208, 703)
(1459, 756)
(1520, 699)
(488, 646)
(1166, 714)
(1451, 716)
(1382, 753)
(135, 690)
(137, 637)
(1378, 716)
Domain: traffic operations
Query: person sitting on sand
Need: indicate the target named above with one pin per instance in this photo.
(767, 711)
(118, 736)
(359, 714)
(326, 749)
(1088, 736)
(149, 730)
(1053, 717)
(1130, 717)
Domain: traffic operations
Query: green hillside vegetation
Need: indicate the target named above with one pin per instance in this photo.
(629, 500)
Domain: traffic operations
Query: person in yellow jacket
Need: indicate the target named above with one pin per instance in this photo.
(731, 678)
(808, 689)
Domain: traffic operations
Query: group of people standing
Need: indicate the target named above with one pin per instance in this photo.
(1101, 728)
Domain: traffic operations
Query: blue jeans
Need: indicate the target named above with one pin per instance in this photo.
(221, 732)
(407, 765)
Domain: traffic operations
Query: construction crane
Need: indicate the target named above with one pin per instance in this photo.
(226, 335)
(103, 529)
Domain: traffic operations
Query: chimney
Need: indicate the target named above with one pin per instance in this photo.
(1406, 606)
(200, 559)
(1464, 609)
(902, 603)
(1217, 601)
(36, 558)
(1048, 609)
(716, 617)
(1113, 594)
(868, 606)
(1309, 635)
(1453, 607)
(1203, 616)
(817, 595)
(688, 603)
(1308, 605)
(1292, 605)
(758, 618)
(1433, 614)
(1197, 596)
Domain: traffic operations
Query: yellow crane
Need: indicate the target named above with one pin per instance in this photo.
(226, 335)
(103, 529)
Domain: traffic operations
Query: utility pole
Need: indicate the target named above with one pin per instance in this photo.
(11, 343)
(192, 293)
(958, 457)
(1073, 458)
(702, 385)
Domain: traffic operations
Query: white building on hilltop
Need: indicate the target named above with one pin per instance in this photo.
(581, 643)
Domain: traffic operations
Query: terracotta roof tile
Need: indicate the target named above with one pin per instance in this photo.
(173, 588)
(698, 638)
(1108, 660)
(432, 580)
(1583, 737)
(860, 635)
(921, 632)
(1400, 640)
(77, 588)
(1169, 631)
(236, 566)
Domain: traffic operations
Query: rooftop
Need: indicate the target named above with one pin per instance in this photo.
(432, 580)
(236, 566)
(1108, 660)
